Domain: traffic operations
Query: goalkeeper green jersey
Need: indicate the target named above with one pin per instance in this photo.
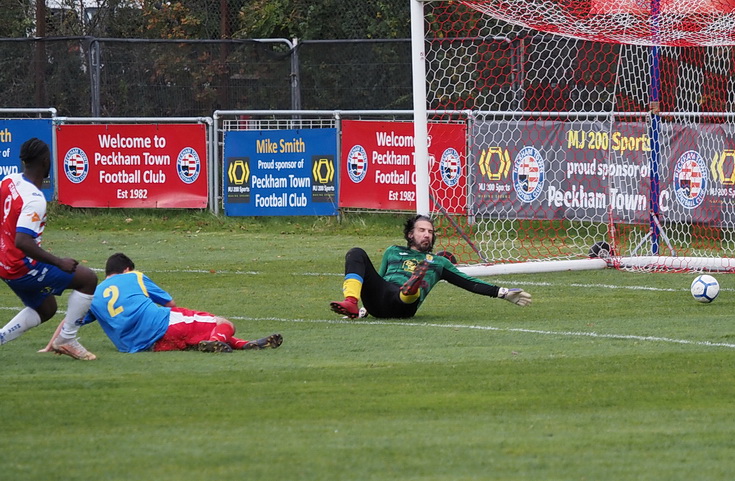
(399, 262)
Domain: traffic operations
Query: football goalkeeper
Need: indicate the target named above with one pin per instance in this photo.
(406, 276)
(137, 315)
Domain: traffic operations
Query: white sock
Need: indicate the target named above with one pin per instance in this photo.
(26, 319)
(75, 312)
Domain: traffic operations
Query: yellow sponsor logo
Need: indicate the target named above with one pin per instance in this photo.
(239, 172)
(717, 168)
(323, 171)
(495, 157)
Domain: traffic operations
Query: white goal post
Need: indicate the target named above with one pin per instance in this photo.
(420, 125)
(586, 127)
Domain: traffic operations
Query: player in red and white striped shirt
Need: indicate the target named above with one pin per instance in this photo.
(34, 274)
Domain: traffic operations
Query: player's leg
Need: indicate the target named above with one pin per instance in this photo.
(382, 299)
(38, 299)
(83, 283)
(362, 282)
(410, 289)
(223, 333)
(196, 330)
(26, 319)
(273, 341)
(359, 270)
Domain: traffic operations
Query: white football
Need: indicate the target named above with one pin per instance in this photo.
(705, 288)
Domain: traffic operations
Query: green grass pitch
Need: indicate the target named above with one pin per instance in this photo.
(607, 376)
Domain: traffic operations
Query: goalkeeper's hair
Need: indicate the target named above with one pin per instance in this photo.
(411, 223)
(117, 263)
(33, 150)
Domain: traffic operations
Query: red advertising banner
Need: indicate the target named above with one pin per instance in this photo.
(377, 170)
(141, 165)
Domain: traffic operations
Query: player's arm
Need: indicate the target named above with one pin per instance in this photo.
(88, 318)
(27, 230)
(152, 290)
(457, 278)
(27, 243)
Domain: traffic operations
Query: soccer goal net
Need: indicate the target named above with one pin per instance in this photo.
(598, 128)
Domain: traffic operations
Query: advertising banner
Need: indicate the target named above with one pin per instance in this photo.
(563, 170)
(13, 133)
(141, 165)
(598, 171)
(698, 183)
(280, 172)
(378, 170)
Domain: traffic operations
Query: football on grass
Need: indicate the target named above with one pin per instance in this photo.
(705, 288)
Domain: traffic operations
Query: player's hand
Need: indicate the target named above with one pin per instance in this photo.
(51, 341)
(515, 295)
(68, 265)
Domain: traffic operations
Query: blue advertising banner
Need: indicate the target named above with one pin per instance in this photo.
(280, 172)
(13, 132)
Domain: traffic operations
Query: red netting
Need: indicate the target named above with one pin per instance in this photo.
(640, 22)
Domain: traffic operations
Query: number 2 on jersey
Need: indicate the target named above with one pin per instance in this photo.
(112, 293)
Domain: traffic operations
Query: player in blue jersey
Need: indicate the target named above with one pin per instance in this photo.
(35, 275)
(406, 276)
(137, 315)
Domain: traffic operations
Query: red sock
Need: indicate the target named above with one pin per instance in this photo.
(222, 332)
(236, 343)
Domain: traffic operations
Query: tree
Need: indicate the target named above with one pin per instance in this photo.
(324, 19)
(17, 18)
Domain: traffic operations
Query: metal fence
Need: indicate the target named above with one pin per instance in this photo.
(87, 76)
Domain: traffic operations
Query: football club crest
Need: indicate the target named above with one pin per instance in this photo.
(528, 174)
(450, 167)
(188, 165)
(76, 165)
(357, 163)
(691, 179)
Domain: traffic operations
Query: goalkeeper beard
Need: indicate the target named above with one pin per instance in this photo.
(424, 246)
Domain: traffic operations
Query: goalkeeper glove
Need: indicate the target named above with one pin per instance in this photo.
(515, 295)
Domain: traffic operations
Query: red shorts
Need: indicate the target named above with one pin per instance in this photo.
(186, 328)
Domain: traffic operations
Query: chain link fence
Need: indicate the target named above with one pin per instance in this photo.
(86, 76)
(192, 57)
